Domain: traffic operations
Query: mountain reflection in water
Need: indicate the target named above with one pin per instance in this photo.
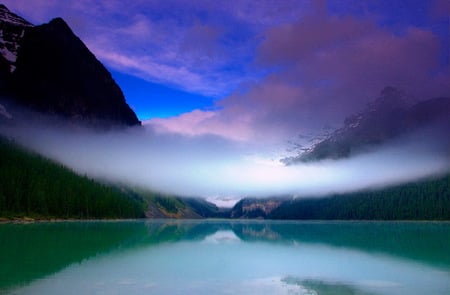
(197, 257)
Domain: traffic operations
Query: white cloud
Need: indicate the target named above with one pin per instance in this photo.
(148, 69)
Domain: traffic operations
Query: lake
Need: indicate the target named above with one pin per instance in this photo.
(225, 257)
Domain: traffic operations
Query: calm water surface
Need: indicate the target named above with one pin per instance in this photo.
(225, 257)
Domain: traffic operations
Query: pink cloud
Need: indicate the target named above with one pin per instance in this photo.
(250, 116)
(200, 123)
(338, 65)
(373, 61)
(270, 107)
(441, 9)
(308, 36)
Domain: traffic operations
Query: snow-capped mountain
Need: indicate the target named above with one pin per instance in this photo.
(390, 116)
(12, 30)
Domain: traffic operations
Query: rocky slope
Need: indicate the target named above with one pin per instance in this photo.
(49, 69)
(256, 208)
(388, 117)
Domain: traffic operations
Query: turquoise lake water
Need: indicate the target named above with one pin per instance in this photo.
(225, 257)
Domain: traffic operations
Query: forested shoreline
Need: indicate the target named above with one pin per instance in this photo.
(35, 187)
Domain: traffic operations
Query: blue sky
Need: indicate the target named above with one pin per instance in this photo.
(271, 69)
(150, 100)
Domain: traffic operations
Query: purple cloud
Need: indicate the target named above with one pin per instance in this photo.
(325, 67)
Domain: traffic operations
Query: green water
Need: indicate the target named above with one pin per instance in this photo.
(225, 257)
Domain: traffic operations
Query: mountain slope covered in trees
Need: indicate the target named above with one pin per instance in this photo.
(426, 200)
(33, 186)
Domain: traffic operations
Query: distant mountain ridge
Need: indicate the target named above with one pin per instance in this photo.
(49, 69)
(387, 118)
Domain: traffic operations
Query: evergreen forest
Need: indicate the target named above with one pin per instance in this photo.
(33, 186)
(423, 200)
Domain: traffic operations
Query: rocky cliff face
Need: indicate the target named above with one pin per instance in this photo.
(52, 71)
(255, 208)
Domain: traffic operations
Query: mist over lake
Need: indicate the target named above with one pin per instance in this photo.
(225, 257)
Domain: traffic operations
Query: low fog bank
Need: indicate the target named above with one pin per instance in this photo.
(211, 166)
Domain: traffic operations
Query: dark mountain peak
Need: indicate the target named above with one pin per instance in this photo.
(59, 21)
(60, 26)
(55, 73)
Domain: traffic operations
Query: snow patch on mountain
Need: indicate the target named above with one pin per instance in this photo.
(12, 30)
(12, 18)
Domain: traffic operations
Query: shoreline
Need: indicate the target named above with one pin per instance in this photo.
(29, 220)
(26, 219)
